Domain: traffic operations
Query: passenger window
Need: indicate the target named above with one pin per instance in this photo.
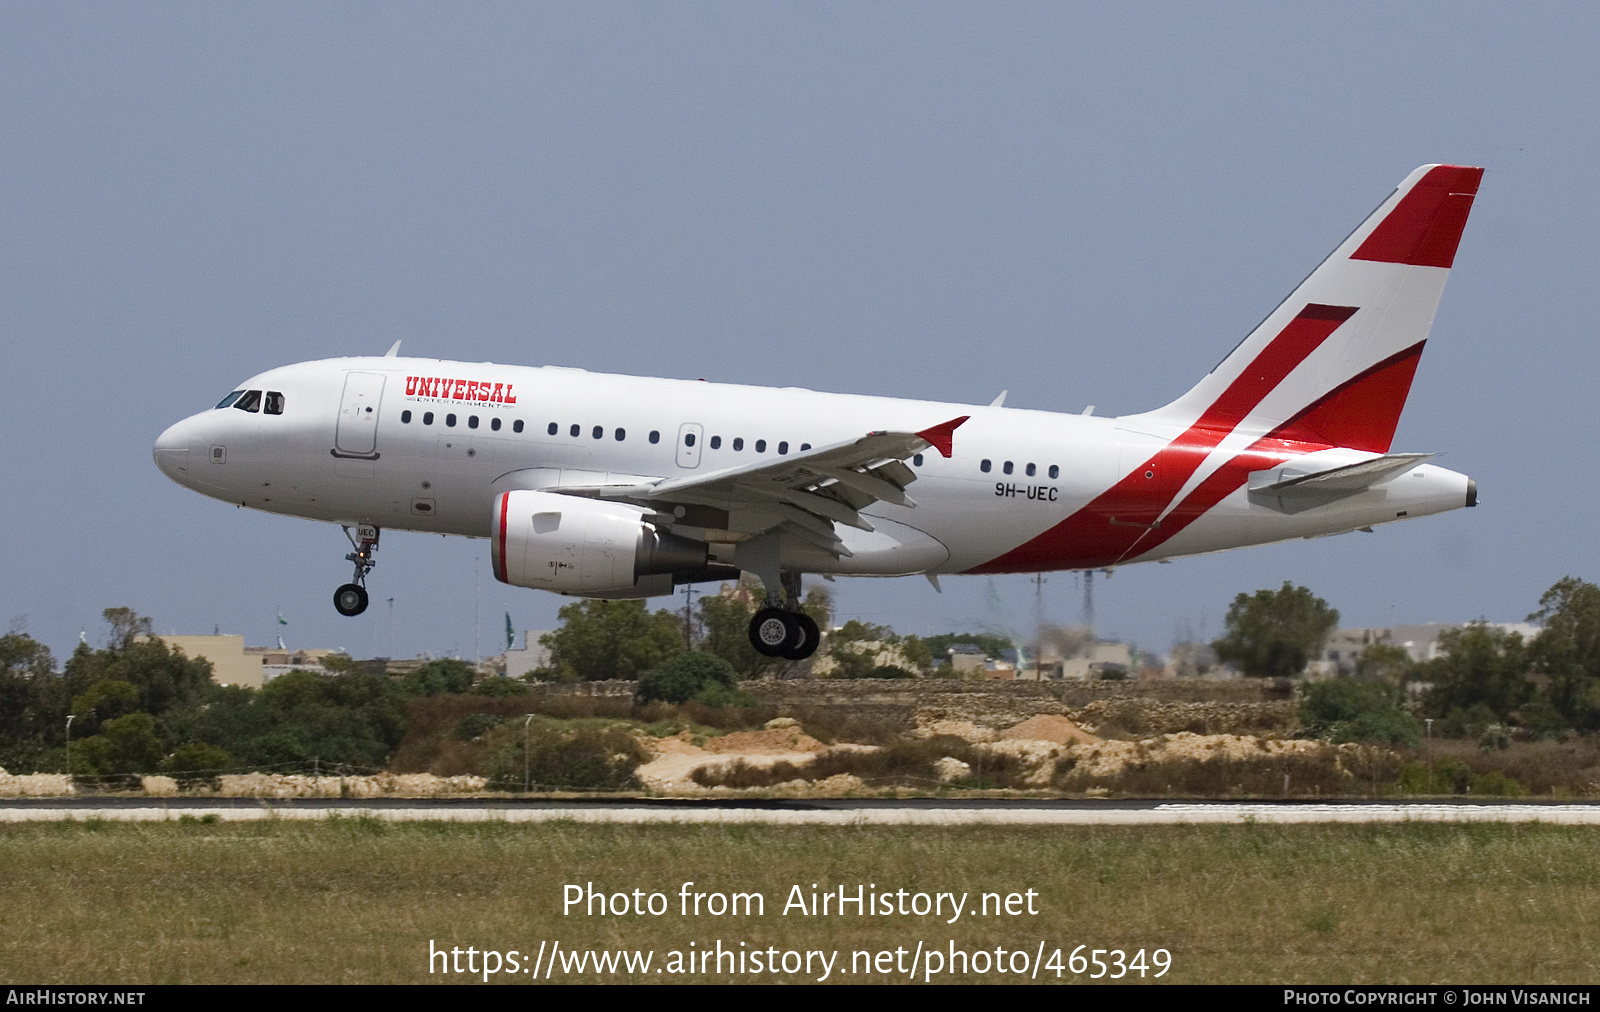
(716, 442)
(621, 434)
(405, 417)
(1030, 469)
(1055, 472)
(738, 442)
(917, 460)
(655, 436)
(761, 446)
(983, 466)
(552, 429)
(599, 430)
(574, 432)
(1007, 467)
(783, 447)
(516, 426)
(804, 447)
(450, 420)
(427, 418)
(274, 403)
(472, 421)
(251, 401)
(494, 423)
(688, 439)
(226, 401)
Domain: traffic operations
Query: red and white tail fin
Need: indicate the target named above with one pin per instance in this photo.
(1333, 363)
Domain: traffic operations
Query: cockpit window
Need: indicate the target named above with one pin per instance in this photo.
(230, 398)
(273, 404)
(251, 401)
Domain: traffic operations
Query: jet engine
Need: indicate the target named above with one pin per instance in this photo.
(588, 547)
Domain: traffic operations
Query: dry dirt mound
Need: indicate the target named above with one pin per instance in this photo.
(1108, 758)
(771, 742)
(1048, 727)
(677, 757)
(930, 724)
(1220, 764)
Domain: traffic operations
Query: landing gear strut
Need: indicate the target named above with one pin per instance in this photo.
(351, 599)
(785, 631)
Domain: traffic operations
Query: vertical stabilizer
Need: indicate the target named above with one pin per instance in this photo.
(1333, 363)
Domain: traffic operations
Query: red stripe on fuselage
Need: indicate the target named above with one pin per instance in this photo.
(1362, 412)
(1125, 516)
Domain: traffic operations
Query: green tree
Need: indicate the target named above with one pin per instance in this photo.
(1346, 709)
(725, 630)
(444, 676)
(1386, 663)
(356, 718)
(1275, 633)
(104, 700)
(126, 745)
(1567, 650)
(165, 677)
(1478, 665)
(611, 639)
(197, 762)
(31, 696)
(683, 676)
(127, 626)
(855, 647)
(562, 754)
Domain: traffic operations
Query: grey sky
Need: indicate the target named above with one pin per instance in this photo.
(1081, 204)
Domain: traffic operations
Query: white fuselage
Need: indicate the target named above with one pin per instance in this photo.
(404, 443)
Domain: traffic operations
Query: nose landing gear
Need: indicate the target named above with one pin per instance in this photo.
(351, 599)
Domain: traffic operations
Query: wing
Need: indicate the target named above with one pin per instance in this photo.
(804, 495)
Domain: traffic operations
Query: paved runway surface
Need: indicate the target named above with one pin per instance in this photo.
(830, 812)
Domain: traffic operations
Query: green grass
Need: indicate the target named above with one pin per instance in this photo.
(358, 900)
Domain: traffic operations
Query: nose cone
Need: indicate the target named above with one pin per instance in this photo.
(172, 451)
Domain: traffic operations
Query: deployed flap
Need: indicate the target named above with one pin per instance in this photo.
(1284, 490)
(804, 494)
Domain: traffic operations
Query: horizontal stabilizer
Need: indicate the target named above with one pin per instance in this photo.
(1286, 490)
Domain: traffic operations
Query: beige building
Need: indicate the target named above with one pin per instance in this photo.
(230, 663)
(277, 661)
(233, 663)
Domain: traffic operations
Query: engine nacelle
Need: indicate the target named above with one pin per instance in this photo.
(574, 545)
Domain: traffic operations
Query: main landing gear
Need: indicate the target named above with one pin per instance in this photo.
(786, 631)
(351, 599)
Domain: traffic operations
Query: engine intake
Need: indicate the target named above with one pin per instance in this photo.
(574, 545)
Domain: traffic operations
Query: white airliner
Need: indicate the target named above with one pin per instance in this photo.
(621, 486)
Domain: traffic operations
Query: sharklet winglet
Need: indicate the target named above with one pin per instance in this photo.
(942, 436)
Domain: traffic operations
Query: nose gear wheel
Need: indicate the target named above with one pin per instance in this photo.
(351, 598)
